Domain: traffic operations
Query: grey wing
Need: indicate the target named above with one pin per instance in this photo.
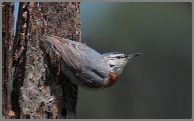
(71, 51)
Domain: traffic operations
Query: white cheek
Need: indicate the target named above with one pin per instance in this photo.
(111, 62)
(120, 70)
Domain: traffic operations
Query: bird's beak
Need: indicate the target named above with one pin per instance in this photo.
(133, 55)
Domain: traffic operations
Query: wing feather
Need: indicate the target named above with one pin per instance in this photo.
(70, 51)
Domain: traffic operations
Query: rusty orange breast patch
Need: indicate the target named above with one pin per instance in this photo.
(113, 77)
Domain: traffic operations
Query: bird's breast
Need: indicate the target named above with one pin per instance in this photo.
(113, 77)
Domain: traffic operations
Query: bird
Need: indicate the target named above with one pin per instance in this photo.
(85, 66)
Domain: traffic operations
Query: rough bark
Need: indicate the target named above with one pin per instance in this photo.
(40, 89)
(7, 55)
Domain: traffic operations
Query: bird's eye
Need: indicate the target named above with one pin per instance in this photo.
(112, 65)
(118, 57)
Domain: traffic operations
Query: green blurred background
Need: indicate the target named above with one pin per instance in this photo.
(156, 84)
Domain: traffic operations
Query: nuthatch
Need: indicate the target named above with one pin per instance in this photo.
(86, 67)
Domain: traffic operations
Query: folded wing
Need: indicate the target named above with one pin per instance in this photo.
(70, 51)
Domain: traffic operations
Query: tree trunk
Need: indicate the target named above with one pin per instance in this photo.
(7, 56)
(40, 89)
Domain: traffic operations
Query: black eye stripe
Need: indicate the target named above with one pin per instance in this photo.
(118, 57)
